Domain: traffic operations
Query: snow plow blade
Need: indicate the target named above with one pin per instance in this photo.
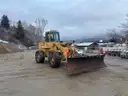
(85, 64)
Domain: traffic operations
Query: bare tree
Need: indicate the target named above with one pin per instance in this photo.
(25, 24)
(124, 30)
(32, 28)
(113, 35)
(41, 24)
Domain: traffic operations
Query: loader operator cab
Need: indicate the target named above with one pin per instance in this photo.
(52, 36)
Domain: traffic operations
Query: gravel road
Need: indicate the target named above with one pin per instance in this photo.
(21, 76)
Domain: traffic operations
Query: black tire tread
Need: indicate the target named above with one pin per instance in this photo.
(57, 59)
(42, 57)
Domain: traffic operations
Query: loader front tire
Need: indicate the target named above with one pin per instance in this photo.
(39, 56)
(54, 59)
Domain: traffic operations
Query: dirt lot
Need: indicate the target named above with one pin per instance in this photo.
(21, 76)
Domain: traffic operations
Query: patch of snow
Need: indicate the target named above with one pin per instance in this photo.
(2, 41)
(84, 44)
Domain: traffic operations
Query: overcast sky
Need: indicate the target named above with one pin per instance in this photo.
(73, 18)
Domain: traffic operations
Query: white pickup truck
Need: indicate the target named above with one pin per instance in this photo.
(124, 53)
(117, 49)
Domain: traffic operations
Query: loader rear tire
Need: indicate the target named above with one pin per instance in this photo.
(39, 57)
(54, 59)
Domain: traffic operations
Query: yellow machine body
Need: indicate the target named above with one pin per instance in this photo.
(57, 52)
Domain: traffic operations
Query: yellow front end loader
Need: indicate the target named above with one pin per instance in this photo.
(58, 52)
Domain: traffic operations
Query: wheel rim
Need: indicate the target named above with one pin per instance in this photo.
(52, 61)
(37, 57)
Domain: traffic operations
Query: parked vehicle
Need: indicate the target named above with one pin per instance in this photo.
(124, 54)
(117, 49)
(106, 47)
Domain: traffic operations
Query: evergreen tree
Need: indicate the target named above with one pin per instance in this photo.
(5, 21)
(19, 30)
